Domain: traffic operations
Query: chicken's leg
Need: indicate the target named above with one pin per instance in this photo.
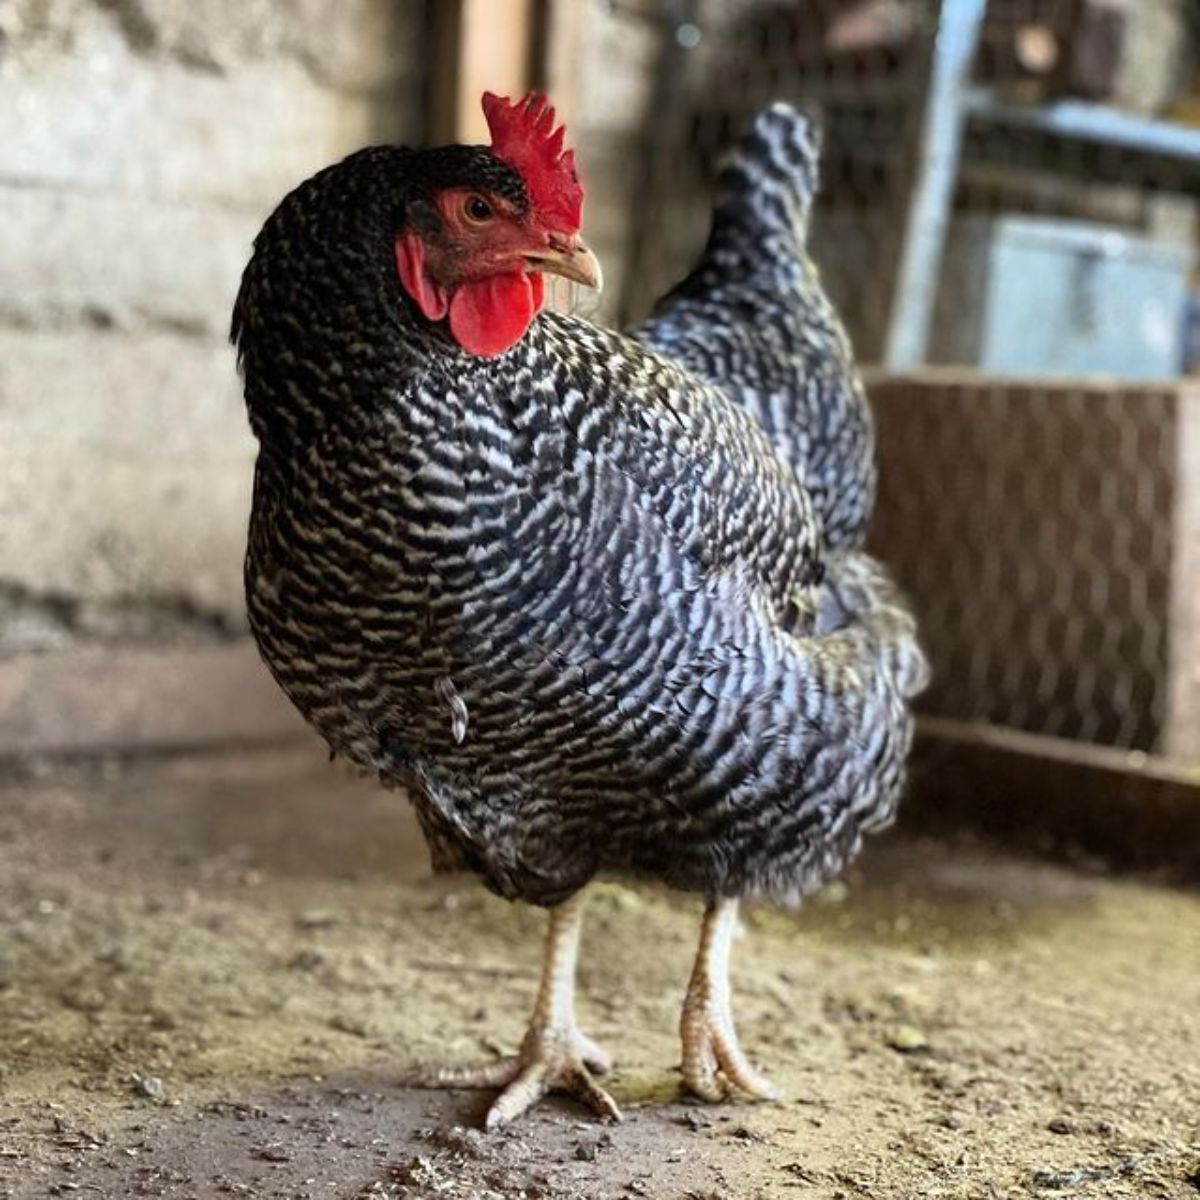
(555, 1055)
(713, 1062)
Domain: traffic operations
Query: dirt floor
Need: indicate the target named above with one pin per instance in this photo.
(213, 972)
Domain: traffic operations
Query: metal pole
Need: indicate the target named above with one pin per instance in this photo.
(932, 194)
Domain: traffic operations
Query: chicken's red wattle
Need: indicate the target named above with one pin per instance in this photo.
(487, 316)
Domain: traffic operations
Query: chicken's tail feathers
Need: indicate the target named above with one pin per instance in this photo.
(859, 600)
(773, 171)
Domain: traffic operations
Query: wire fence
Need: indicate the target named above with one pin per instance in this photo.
(1008, 187)
(1033, 525)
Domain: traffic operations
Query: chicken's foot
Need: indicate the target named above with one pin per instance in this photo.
(713, 1062)
(555, 1054)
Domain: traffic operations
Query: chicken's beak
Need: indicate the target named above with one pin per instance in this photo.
(576, 263)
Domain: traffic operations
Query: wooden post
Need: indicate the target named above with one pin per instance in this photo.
(1041, 793)
(479, 45)
(559, 55)
(1182, 735)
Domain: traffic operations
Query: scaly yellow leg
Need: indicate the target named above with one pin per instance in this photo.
(713, 1062)
(555, 1055)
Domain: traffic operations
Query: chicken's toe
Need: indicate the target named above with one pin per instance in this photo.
(713, 1062)
(551, 1061)
(484, 1075)
(555, 1055)
(594, 1057)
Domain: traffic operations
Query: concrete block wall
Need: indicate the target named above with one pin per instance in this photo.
(142, 142)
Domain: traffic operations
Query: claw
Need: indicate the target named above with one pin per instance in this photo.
(551, 1060)
(713, 1063)
(485, 1075)
(546, 1069)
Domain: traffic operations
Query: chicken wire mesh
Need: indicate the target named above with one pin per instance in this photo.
(1010, 187)
(1033, 525)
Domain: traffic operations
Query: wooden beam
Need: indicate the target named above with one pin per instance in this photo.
(1043, 794)
(1181, 737)
(561, 30)
(479, 45)
(97, 700)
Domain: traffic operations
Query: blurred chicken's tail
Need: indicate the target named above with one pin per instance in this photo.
(772, 173)
(859, 601)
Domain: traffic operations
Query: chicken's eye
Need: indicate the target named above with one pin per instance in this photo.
(478, 210)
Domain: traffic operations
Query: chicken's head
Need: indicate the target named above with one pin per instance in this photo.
(474, 249)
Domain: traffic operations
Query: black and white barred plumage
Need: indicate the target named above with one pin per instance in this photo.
(577, 597)
(753, 319)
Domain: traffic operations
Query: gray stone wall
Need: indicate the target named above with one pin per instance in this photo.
(142, 142)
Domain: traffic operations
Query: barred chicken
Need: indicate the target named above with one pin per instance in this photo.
(595, 601)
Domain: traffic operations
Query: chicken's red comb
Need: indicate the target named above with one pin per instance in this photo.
(523, 135)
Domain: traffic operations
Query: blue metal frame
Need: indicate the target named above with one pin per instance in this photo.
(1092, 123)
(927, 214)
(951, 100)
